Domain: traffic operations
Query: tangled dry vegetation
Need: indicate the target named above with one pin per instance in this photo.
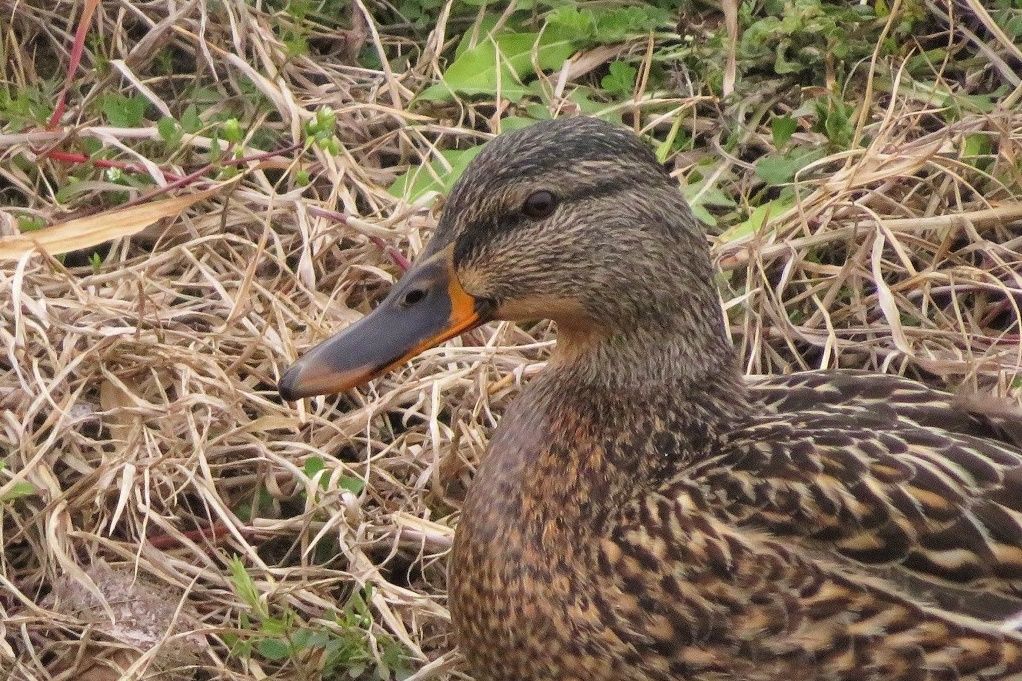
(164, 512)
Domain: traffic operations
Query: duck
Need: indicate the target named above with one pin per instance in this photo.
(644, 512)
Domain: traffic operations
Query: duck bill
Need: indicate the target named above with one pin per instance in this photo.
(425, 308)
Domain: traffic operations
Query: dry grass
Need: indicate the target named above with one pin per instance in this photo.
(137, 398)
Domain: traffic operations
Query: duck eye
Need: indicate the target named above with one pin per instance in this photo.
(540, 204)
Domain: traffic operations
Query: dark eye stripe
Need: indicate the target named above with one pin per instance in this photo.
(598, 189)
(510, 218)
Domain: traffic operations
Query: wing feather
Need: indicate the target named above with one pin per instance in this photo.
(885, 475)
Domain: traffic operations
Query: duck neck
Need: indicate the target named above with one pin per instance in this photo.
(610, 417)
(684, 377)
(691, 355)
(613, 415)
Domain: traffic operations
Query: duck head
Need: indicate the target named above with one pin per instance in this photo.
(572, 220)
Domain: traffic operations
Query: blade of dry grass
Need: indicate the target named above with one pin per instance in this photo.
(81, 233)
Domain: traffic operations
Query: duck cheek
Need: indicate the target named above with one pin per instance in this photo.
(560, 308)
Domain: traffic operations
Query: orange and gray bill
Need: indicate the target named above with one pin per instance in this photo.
(424, 309)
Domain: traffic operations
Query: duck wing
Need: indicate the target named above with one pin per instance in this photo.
(897, 485)
(895, 397)
(697, 597)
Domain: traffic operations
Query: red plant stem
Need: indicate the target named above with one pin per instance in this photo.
(213, 533)
(76, 58)
(174, 179)
(68, 157)
(191, 177)
(395, 255)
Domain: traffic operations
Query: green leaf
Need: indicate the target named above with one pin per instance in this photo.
(30, 223)
(323, 124)
(671, 142)
(434, 176)
(245, 587)
(352, 484)
(615, 24)
(232, 131)
(621, 79)
(190, 121)
(309, 638)
(760, 216)
(583, 98)
(782, 128)
(277, 626)
(834, 119)
(784, 66)
(699, 196)
(573, 21)
(17, 491)
(91, 145)
(929, 60)
(123, 112)
(778, 169)
(978, 151)
(704, 216)
(974, 103)
(274, 649)
(976, 144)
(515, 123)
(170, 132)
(503, 61)
(313, 465)
(72, 189)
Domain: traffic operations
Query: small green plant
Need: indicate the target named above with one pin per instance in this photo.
(978, 150)
(314, 465)
(279, 636)
(799, 36)
(320, 131)
(437, 176)
(123, 112)
(702, 192)
(781, 129)
(170, 131)
(778, 169)
(17, 491)
(620, 79)
(232, 131)
(489, 61)
(30, 223)
(834, 119)
(27, 105)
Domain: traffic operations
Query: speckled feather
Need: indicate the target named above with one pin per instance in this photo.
(645, 514)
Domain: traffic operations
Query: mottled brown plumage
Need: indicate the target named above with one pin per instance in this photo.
(644, 513)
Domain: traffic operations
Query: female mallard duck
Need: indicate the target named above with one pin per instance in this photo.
(643, 512)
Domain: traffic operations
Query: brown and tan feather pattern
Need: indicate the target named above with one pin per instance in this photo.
(855, 474)
(645, 514)
(564, 570)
